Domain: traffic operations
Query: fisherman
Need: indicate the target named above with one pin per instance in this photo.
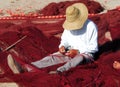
(79, 42)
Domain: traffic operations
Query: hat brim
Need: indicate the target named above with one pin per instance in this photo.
(79, 22)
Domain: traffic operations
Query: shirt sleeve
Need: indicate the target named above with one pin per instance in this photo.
(63, 41)
(92, 46)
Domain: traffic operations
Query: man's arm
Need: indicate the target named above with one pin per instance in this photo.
(93, 39)
(63, 41)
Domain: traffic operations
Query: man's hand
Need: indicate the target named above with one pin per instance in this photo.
(72, 53)
(62, 50)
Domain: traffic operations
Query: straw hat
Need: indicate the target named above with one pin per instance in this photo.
(76, 15)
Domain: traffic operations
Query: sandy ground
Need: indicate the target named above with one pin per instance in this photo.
(8, 7)
(23, 6)
(109, 4)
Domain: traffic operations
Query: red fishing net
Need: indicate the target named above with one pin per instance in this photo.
(43, 39)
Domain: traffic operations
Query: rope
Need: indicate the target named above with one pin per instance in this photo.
(40, 16)
(31, 17)
(35, 17)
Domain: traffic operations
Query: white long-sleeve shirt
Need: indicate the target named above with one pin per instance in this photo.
(84, 40)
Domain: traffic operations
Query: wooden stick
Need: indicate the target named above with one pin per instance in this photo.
(9, 47)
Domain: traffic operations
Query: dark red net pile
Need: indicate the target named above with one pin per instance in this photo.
(41, 41)
(59, 8)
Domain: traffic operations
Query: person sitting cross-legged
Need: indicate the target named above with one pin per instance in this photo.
(79, 42)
